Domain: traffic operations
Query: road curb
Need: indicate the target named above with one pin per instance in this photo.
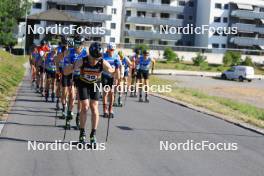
(213, 114)
(12, 100)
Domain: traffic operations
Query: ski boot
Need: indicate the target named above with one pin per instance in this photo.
(53, 97)
(120, 103)
(41, 91)
(93, 141)
(140, 98)
(146, 99)
(58, 104)
(106, 115)
(111, 115)
(82, 137)
(63, 112)
(46, 95)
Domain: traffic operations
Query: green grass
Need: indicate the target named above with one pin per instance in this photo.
(190, 67)
(11, 73)
(237, 110)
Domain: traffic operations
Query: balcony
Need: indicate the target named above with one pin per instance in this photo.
(90, 17)
(85, 2)
(247, 41)
(251, 28)
(154, 21)
(151, 35)
(154, 7)
(246, 14)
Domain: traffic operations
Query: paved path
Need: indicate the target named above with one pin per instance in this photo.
(134, 141)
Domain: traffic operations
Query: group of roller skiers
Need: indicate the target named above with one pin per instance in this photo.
(69, 72)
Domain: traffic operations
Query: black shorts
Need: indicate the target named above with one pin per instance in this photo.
(143, 74)
(67, 80)
(88, 91)
(76, 79)
(51, 74)
(41, 69)
(107, 81)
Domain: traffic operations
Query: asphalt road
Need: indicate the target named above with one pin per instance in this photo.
(134, 143)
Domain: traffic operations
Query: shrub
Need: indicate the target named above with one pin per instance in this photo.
(199, 59)
(248, 62)
(232, 58)
(170, 55)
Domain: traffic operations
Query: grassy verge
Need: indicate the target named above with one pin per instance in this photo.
(241, 111)
(11, 74)
(190, 67)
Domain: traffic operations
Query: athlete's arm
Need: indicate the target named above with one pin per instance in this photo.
(107, 67)
(153, 61)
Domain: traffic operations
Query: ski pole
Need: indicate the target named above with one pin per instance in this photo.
(107, 132)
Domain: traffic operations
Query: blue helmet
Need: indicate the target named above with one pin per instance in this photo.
(95, 50)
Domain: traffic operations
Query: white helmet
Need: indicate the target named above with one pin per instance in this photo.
(111, 46)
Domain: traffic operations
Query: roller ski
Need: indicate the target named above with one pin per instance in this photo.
(68, 120)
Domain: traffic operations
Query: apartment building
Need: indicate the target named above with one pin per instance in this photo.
(143, 18)
(140, 21)
(246, 16)
(86, 13)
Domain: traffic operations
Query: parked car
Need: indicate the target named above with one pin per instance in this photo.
(240, 73)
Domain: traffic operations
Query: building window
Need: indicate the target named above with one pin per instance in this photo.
(112, 39)
(128, 13)
(113, 10)
(165, 2)
(163, 42)
(182, 3)
(191, 4)
(113, 25)
(180, 16)
(153, 15)
(218, 6)
(127, 26)
(144, 1)
(190, 17)
(141, 14)
(37, 5)
(226, 6)
(129, 0)
(223, 45)
(225, 20)
(217, 19)
(126, 40)
(139, 41)
(215, 45)
(164, 15)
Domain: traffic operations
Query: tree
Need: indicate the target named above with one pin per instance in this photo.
(170, 55)
(199, 60)
(232, 58)
(248, 61)
(10, 12)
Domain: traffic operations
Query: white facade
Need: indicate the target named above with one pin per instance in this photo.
(206, 16)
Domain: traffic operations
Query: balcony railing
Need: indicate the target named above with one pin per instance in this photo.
(151, 35)
(154, 7)
(88, 16)
(249, 28)
(247, 41)
(85, 2)
(154, 21)
(246, 14)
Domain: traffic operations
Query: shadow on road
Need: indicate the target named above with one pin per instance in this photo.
(23, 124)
